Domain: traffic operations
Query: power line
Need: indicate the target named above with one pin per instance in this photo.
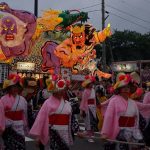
(127, 13)
(93, 11)
(117, 10)
(147, 1)
(123, 19)
(132, 6)
(130, 21)
(90, 6)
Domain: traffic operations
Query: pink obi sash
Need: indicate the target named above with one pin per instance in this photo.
(59, 119)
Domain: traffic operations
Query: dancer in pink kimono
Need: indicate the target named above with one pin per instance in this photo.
(145, 110)
(88, 107)
(52, 126)
(2, 125)
(15, 107)
(121, 120)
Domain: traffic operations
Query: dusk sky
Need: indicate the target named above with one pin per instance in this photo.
(123, 14)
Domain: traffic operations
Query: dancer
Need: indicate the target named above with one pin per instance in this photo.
(52, 125)
(2, 125)
(121, 120)
(88, 107)
(15, 107)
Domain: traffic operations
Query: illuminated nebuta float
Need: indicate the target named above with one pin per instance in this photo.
(53, 28)
(16, 28)
(74, 50)
(77, 52)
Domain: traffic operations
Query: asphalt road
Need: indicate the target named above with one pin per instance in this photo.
(83, 144)
(79, 144)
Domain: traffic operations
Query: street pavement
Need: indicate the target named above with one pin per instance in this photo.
(83, 144)
(79, 143)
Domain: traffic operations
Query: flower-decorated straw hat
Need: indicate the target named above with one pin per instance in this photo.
(56, 84)
(13, 79)
(88, 80)
(122, 80)
(135, 77)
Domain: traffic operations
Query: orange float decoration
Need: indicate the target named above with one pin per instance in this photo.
(77, 51)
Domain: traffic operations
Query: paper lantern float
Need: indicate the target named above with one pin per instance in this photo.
(47, 39)
(77, 51)
(17, 28)
(56, 20)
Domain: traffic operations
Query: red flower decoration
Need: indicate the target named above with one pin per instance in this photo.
(54, 77)
(128, 78)
(111, 90)
(67, 82)
(139, 91)
(61, 83)
(93, 79)
(86, 77)
(11, 76)
(14, 77)
(122, 77)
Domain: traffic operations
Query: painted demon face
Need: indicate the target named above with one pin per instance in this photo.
(78, 39)
(9, 28)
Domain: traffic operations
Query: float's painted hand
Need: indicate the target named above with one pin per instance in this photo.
(107, 31)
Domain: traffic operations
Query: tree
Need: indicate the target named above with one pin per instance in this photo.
(129, 46)
(98, 48)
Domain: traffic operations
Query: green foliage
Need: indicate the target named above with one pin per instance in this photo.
(130, 45)
(98, 49)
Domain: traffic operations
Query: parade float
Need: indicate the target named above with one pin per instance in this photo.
(56, 41)
(52, 29)
(69, 44)
(17, 28)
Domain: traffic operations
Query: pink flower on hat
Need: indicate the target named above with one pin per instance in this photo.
(67, 82)
(86, 77)
(139, 91)
(88, 80)
(93, 78)
(54, 77)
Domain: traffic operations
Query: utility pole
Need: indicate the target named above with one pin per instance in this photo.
(103, 44)
(36, 8)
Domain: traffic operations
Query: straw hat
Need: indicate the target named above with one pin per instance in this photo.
(50, 85)
(119, 76)
(135, 77)
(13, 79)
(56, 85)
(148, 84)
(138, 93)
(122, 80)
(88, 80)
